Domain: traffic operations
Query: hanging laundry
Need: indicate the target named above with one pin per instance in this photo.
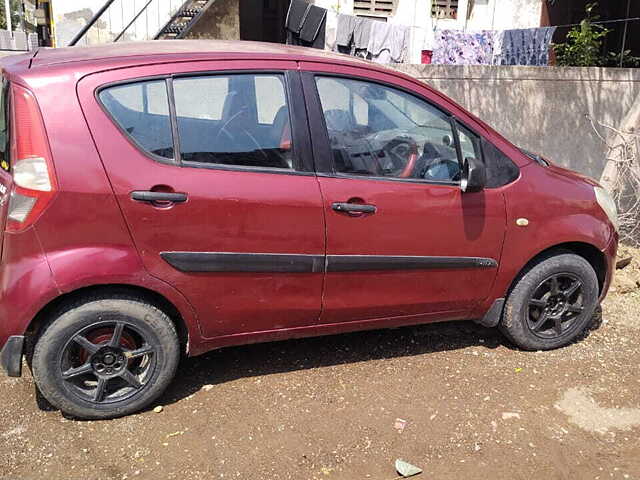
(454, 47)
(352, 35)
(528, 46)
(388, 42)
(331, 31)
(305, 24)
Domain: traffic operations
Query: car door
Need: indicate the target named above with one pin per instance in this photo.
(402, 238)
(212, 171)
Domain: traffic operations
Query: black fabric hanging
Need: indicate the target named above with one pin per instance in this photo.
(306, 24)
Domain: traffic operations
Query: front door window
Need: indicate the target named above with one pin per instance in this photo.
(378, 131)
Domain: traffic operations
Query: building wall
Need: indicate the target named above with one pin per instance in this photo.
(221, 21)
(544, 109)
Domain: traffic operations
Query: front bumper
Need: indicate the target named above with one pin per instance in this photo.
(610, 253)
(11, 356)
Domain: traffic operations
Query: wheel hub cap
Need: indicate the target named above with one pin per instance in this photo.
(108, 361)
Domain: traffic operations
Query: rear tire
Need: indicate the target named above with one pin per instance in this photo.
(552, 303)
(105, 357)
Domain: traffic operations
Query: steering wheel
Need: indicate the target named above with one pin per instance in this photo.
(403, 152)
(241, 129)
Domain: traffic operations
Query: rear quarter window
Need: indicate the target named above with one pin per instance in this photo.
(141, 110)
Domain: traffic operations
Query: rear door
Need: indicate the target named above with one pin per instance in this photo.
(212, 170)
(402, 238)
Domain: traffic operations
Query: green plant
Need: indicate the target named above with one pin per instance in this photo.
(584, 42)
(628, 60)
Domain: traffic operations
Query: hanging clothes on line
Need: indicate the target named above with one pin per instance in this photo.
(528, 46)
(388, 42)
(305, 24)
(352, 34)
(455, 47)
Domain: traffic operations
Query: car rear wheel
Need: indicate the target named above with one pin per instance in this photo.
(552, 303)
(104, 358)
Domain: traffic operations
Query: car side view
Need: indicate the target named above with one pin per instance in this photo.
(168, 198)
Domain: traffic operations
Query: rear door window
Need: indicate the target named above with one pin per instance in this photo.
(236, 120)
(142, 111)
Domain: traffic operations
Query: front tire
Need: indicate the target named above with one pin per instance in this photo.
(552, 303)
(106, 357)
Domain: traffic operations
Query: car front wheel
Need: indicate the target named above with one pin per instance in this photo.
(552, 303)
(105, 357)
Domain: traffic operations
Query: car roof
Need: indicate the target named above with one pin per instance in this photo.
(212, 49)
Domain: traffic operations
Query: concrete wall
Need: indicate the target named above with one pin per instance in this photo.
(543, 109)
(221, 21)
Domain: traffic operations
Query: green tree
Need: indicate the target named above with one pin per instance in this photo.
(584, 43)
(16, 9)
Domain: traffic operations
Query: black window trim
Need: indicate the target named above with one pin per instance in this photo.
(314, 106)
(302, 155)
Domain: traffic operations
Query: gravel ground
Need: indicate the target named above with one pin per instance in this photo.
(328, 408)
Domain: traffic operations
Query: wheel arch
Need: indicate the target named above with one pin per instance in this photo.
(589, 252)
(44, 315)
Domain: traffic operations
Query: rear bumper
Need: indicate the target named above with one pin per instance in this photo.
(11, 356)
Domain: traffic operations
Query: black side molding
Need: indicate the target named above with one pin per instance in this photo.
(302, 263)
(493, 316)
(355, 263)
(244, 262)
(11, 356)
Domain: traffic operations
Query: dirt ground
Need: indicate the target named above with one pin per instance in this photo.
(327, 408)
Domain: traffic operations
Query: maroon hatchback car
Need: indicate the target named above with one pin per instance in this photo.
(169, 198)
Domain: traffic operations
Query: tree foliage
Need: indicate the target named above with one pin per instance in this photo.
(583, 47)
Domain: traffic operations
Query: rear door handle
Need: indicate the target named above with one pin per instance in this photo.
(353, 207)
(153, 197)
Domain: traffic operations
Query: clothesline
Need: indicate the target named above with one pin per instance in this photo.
(601, 22)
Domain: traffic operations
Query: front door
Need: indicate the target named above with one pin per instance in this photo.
(209, 170)
(402, 239)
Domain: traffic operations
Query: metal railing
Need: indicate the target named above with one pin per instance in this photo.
(127, 20)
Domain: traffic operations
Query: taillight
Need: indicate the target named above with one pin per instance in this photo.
(34, 183)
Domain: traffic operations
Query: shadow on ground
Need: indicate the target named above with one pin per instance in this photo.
(229, 364)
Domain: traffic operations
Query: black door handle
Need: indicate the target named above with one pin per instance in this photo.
(152, 197)
(353, 207)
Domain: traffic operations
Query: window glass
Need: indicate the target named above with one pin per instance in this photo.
(269, 97)
(500, 169)
(469, 143)
(199, 99)
(238, 119)
(142, 110)
(378, 131)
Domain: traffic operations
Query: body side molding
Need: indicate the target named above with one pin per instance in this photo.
(305, 263)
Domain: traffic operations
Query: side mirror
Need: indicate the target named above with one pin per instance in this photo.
(474, 175)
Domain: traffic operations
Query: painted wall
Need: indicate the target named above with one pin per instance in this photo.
(543, 109)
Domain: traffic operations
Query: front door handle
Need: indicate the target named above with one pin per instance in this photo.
(158, 197)
(353, 207)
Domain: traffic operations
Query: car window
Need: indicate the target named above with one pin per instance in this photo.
(238, 119)
(500, 169)
(378, 131)
(469, 143)
(142, 110)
